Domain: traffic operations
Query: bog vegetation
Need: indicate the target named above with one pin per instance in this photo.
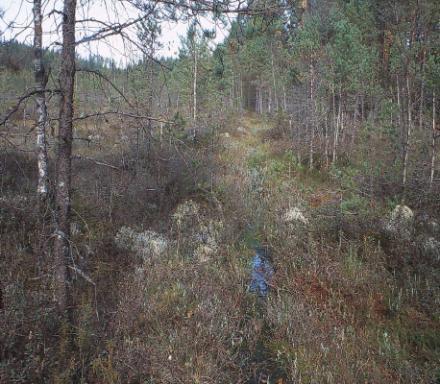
(132, 197)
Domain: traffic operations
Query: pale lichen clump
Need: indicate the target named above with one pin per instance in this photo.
(14, 199)
(185, 212)
(401, 222)
(196, 233)
(146, 244)
(295, 215)
(207, 239)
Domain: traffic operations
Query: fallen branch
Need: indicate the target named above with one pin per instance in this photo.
(78, 157)
(82, 274)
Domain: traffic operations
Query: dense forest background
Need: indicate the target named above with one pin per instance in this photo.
(311, 129)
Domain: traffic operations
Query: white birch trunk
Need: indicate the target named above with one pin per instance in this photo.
(40, 85)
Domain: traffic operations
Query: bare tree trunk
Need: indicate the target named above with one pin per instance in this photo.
(257, 99)
(269, 101)
(408, 137)
(399, 104)
(355, 122)
(64, 161)
(312, 115)
(40, 85)
(326, 141)
(291, 130)
(422, 96)
(195, 86)
(342, 126)
(284, 99)
(422, 93)
(275, 93)
(433, 154)
(336, 131)
(232, 100)
(362, 108)
(241, 94)
(260, 99)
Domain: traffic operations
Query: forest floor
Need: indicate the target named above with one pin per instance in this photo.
(346, 305)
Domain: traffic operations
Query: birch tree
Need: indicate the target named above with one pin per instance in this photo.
(40, 73)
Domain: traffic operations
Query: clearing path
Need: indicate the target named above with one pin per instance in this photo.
(245, 160)
(329, 317)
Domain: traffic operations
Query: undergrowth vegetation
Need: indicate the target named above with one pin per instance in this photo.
(262, 209)
(347, 303)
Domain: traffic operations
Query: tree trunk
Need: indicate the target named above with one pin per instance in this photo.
(422, 93)
(284, 99)
(260, 99)
(64, 162)
(257, 99)
(399, 104)
(326, 141)
(291, 130)
(232, 99)
(422, 96)
(275, 93)
(408, 138)
(269, 101)
(433, 154)
(342, 126)
(336, 130)
(362, 108)
(40, 86)
(312, 115)
(195, 86)
(241, 95)
(355, 122)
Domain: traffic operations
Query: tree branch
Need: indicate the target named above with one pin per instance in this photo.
(21, 99)
(79, 157)
(102, 76)
(126, 114)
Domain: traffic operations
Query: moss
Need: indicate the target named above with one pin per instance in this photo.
(355, 204)
(257, 159)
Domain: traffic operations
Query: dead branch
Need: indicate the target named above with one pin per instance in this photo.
(79, 157)
(82, 274)
(125, 114)
(105, 78)
(21, 99)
